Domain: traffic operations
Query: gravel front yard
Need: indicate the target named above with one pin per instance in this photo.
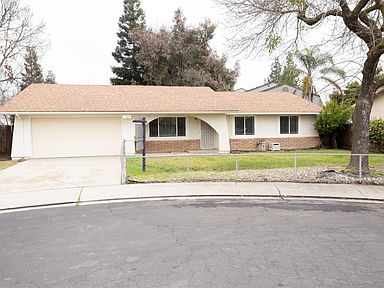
(309, 175)
(304, 175)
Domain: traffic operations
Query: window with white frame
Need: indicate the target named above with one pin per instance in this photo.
(168, 127)
(289, 124)
(244, 125)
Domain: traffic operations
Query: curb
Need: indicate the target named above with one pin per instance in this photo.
(181, 197)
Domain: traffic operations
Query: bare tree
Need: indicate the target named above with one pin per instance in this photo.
(357, 25)
(17, 33)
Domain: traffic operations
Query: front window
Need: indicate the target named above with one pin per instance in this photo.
(289, 125)
(244, 125)
(167, 127)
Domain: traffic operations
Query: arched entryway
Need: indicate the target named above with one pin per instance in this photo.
(209, 137)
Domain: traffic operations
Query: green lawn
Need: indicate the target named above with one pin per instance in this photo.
(160, 169)
(6, 164)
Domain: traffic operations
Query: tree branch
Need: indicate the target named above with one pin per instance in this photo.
(363, 16)
(314, 20)
(359, 6)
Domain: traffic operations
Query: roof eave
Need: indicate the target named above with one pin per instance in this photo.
(227, 112)
(276, 113)
(114, 112)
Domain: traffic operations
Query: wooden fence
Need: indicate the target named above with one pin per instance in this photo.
(344, 139)
(5, 140)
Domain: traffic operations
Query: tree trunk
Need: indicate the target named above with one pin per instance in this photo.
(334, 141)
(324, 141)
(361, 115)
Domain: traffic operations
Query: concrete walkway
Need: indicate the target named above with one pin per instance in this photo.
(82, 195)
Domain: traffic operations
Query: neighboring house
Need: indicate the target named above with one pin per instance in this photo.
(378, 105)
(84, 120)
(274, 87)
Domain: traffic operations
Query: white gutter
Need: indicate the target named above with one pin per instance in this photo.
(116, 113)
(274, 113)
(159, 112)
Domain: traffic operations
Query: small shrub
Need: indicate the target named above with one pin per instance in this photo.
(376, 134)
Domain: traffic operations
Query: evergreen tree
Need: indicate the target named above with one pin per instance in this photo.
(32, 70)
(290, 72)
(131, 70)
(275, 75)
(50, 78)
(286, 74)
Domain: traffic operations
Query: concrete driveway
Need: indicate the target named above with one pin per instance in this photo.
(58, 173)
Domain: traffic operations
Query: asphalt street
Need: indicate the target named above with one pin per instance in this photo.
(195, 243)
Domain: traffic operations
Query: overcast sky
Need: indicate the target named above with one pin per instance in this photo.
(82, 35)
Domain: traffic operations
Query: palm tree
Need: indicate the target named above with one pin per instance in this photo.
(316, 66)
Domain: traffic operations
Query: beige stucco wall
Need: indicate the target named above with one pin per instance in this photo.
(268, 126)
(378, 107)
(307, 125)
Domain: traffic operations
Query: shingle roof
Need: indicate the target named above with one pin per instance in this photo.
(96, 98)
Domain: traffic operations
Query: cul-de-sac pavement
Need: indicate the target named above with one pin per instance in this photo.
(195, 243)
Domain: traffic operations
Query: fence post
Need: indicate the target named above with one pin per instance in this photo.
(295, 167)
(237, 168)
(188, 167)
(360, 172)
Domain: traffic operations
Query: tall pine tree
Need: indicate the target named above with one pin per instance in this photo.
(50, 78)
(275, 75)
(290, 74)
(286, 74)
(131, 70)
(32, 70)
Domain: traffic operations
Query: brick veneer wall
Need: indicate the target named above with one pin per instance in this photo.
(166, 146)
(286, 143)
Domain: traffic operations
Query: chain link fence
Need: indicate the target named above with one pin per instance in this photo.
(297, 166)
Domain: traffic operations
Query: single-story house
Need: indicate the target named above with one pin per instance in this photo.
(90, 120)
(275, 87)
(378, 105)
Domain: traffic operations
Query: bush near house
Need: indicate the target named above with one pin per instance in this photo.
(333, 119)
(376, 134)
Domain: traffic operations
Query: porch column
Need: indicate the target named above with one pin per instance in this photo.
(224, 145)
(128, 134)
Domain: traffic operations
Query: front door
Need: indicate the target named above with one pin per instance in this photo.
(207, 136)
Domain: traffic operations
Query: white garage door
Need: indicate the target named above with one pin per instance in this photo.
(77, 136)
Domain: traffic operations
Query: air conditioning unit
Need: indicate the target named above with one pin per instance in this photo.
(274, 146)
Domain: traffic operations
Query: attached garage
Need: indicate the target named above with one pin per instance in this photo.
(75, 136)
